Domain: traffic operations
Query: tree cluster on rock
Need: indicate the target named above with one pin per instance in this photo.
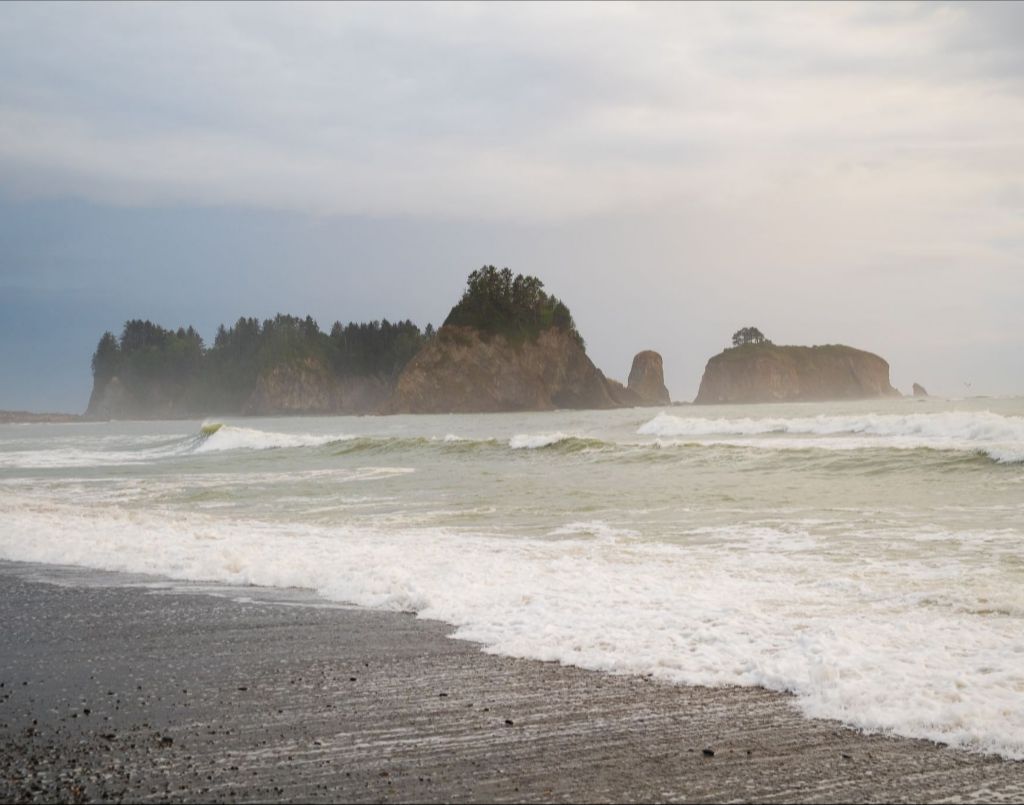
(748, 335)
(150, 361)
(148, 356)
(496, 302)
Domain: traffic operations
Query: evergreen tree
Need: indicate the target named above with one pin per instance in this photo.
(496, 302)
(106, 358)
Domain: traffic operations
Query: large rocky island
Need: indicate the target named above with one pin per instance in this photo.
(509, 346)
(505, 346)
(762, 372)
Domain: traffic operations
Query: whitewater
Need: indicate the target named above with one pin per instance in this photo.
(866, 557)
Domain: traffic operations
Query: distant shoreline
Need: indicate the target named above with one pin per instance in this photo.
(29, 417)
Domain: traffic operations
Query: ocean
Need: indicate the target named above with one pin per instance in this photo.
(867, 557)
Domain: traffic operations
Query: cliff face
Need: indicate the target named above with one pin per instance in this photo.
(770, 373)
(647, 378)
(311, 388)
(106, 400)
(306, 387)
(460, 371)
(158, 400)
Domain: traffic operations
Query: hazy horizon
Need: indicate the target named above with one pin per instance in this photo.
(828, 173)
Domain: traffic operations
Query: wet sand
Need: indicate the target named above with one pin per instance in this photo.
(133, 693)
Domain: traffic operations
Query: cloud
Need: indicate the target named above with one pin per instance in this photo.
(828, 172)
(494, 111)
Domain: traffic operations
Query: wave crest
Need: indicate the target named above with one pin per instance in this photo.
(233, 437)
(999, 437)
(564, 441)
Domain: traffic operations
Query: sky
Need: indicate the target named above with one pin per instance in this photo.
(839, 173)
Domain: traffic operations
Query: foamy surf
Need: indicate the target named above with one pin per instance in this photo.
(68, 457)
(999, 437)
(847, 557)
(862, 649)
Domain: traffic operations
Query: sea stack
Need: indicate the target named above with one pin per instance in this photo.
(764, 372)
(506, 346)
(464, 371)
(647, 379)
(919, 390)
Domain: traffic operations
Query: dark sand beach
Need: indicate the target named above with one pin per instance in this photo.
(155, 694)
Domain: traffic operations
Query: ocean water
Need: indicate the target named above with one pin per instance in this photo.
(867, 557)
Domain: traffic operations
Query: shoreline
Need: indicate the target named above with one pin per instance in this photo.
(34, 418)
(170, 692)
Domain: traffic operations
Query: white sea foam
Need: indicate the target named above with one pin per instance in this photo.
(868, 642)
(78, 457)
(1000, 437)
(980, 426)
(94, 451)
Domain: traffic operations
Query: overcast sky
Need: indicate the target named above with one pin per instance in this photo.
(829, 173)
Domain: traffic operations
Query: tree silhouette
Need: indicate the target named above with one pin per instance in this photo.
(155, 364)
(106, 358)
(748, 335)
(497, 302)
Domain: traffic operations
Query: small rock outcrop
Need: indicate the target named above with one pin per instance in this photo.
(647, 379)
(759, 373)
(919, 390)
(465, 371)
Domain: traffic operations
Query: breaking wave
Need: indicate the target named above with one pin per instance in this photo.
(996, 438)
(230, 437)
(562, 441)
(999, 437)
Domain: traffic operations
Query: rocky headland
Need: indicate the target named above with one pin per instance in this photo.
(509, 346)
(506, 345)
(765, 372)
